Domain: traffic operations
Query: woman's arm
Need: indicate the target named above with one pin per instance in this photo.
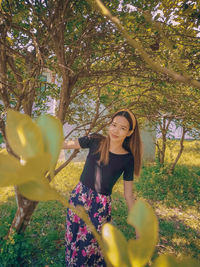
(130, 199)
(128, 194)
(71, 144)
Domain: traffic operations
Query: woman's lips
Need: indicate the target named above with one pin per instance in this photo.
(114, 136)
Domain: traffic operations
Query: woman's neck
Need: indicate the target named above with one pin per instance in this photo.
(116, 147)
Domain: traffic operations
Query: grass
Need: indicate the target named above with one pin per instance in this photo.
(175, 200)
(190, 156)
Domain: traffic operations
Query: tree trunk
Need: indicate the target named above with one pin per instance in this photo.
(29, 88)
(163, 147)
(3, 66)
(158, 151)
(162, 154)
(57, 33)
(171, 170)
(65, 89)
(164, 126)
(25, 209)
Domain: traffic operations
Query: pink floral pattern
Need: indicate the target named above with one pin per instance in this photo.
(81, 247)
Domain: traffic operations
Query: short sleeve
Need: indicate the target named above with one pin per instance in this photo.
(85, 141)
(91, 141)
(129, 170)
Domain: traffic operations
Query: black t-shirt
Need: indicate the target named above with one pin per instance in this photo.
(100, 177)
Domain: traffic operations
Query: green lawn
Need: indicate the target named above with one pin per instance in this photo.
(175, 200)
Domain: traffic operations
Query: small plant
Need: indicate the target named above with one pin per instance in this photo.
(14, 250)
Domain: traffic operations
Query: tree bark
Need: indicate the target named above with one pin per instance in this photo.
(171, 170)
(25, 209)
(3, 66)
(65, 89)
(163, 147)
(30, 86)
(158, 151)
(164, 126)
(162, 154)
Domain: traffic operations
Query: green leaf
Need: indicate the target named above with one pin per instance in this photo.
(39, 190)
(170, 261)
(52, 132)
(24, 136)
(104, 99)
(143, 218)
(115, 246)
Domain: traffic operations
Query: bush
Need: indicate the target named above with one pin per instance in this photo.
(182, 188)
(14, 250)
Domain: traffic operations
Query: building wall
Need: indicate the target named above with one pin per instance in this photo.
(148, 139)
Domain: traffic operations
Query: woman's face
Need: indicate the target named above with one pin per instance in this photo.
(119, 129)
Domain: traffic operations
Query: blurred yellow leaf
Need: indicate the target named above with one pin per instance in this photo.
(9, 170)
(115, 246)
(3, 151)
(170, 261)
(143, 218)
(39, 190)
(13, 173)
(37, 166)
(24, 135)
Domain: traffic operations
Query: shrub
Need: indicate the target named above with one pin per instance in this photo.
(14, 250)
(182, 188)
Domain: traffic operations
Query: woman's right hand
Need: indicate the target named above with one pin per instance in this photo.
(71, 144)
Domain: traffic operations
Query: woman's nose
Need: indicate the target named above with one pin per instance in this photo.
(116, 131)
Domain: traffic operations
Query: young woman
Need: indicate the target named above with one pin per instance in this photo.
(108, 158)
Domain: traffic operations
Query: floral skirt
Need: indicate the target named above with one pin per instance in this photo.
(82, 249)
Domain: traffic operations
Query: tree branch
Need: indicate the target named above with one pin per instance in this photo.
(137, 45)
